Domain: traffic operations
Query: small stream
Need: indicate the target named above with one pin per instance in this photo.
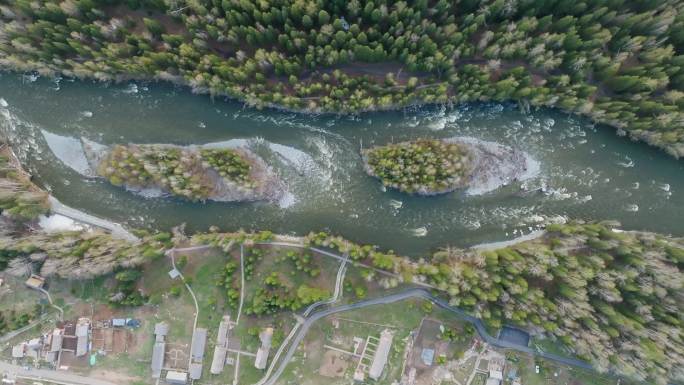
(585, 171)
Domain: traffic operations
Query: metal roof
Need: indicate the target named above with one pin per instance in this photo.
(261, 358)
(122, 322)
(173, 377)
(265, 337)
(81, 346)
(219, 360)
(195, 371)
(381, 354)
(223, 330)
(82, 330)
(199, 340)
(161, 329)
(157, 358)
(56, 344)
(427, 355)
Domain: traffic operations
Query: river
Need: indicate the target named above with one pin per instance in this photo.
(586, 171)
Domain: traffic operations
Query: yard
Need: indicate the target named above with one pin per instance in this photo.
(551, 373)
(313, 359)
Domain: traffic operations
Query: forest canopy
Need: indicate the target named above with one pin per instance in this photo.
(618, 62)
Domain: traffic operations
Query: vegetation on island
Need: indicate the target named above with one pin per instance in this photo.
(19, 199)
(613, 298)
(424, 166)
(619, 62)
(229, 164)
(181, 172)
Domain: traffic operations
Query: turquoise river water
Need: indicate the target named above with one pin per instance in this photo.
(586, 171)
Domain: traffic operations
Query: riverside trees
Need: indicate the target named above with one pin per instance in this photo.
(19, 198)
(619, 62)
(614, 298)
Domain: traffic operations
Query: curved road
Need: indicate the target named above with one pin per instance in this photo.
(303, 327)
(424, 294)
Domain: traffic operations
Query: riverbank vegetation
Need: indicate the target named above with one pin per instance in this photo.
(424, 166)
(20, 200)
(614, 298)
(197, 175)
(79, 254)
(11, 320)
(618, 62)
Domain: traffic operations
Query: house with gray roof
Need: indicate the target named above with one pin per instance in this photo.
(199, 340)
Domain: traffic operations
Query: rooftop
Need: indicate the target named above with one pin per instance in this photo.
(157, 358)
(173, 377)
(195, 371)
(427, 355)
(18, 351)
(35, 281)
(219, 360)
(199, 340)
(381, 355)
(161, 329)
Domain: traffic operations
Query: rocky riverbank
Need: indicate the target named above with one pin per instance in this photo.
(429, 167)
(494, 165)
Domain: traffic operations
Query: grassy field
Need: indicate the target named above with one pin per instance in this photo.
(401, 318)
(15, 296)
(551, 373)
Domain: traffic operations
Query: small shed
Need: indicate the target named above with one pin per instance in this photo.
(132, 323)
(174, 377)
(120, 322)
(174, 273)
(35, 282)
(34, 343)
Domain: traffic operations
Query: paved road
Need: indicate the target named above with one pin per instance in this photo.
(301, 328)
(338, 289)
(340, 258)
(50, 375)
(408, 294)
